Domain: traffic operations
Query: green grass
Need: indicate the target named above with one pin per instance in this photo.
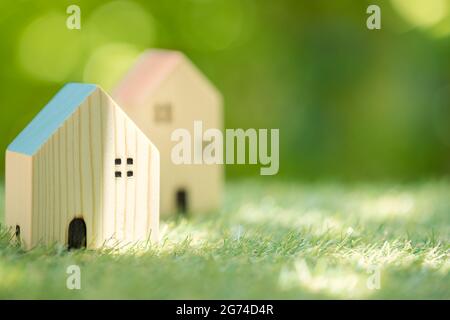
(269, 241)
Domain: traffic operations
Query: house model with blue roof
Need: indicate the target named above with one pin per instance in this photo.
(82, 174)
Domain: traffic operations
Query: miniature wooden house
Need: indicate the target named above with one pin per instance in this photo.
(83, 174)
(164, 91)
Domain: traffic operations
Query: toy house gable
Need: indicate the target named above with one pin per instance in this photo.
(156, 68)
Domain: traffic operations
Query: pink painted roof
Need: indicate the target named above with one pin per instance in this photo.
(152, 67)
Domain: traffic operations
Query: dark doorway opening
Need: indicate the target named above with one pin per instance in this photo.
(77, 234)
(182, 203)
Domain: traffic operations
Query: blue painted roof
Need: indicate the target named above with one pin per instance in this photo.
(51, 117)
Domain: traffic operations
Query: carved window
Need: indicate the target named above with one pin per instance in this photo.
(163, 113)
(129, 171)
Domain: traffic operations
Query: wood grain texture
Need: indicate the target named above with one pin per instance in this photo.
(73, 176)
(18, 198)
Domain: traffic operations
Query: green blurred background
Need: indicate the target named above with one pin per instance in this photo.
(351, 103)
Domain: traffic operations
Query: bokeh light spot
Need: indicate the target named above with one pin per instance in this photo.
(48, 50)
(421, 13)
(121, 21)
(211, 25)
(442, 29)
(109, 63)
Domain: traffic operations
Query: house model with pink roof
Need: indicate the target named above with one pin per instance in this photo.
(164, 91)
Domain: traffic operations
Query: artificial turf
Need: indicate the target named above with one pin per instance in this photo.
(268, 241)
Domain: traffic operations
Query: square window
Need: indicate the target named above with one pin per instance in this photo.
(163, 112)
(129, 173)
(130, 161)
(118, 161)
(118, 174)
